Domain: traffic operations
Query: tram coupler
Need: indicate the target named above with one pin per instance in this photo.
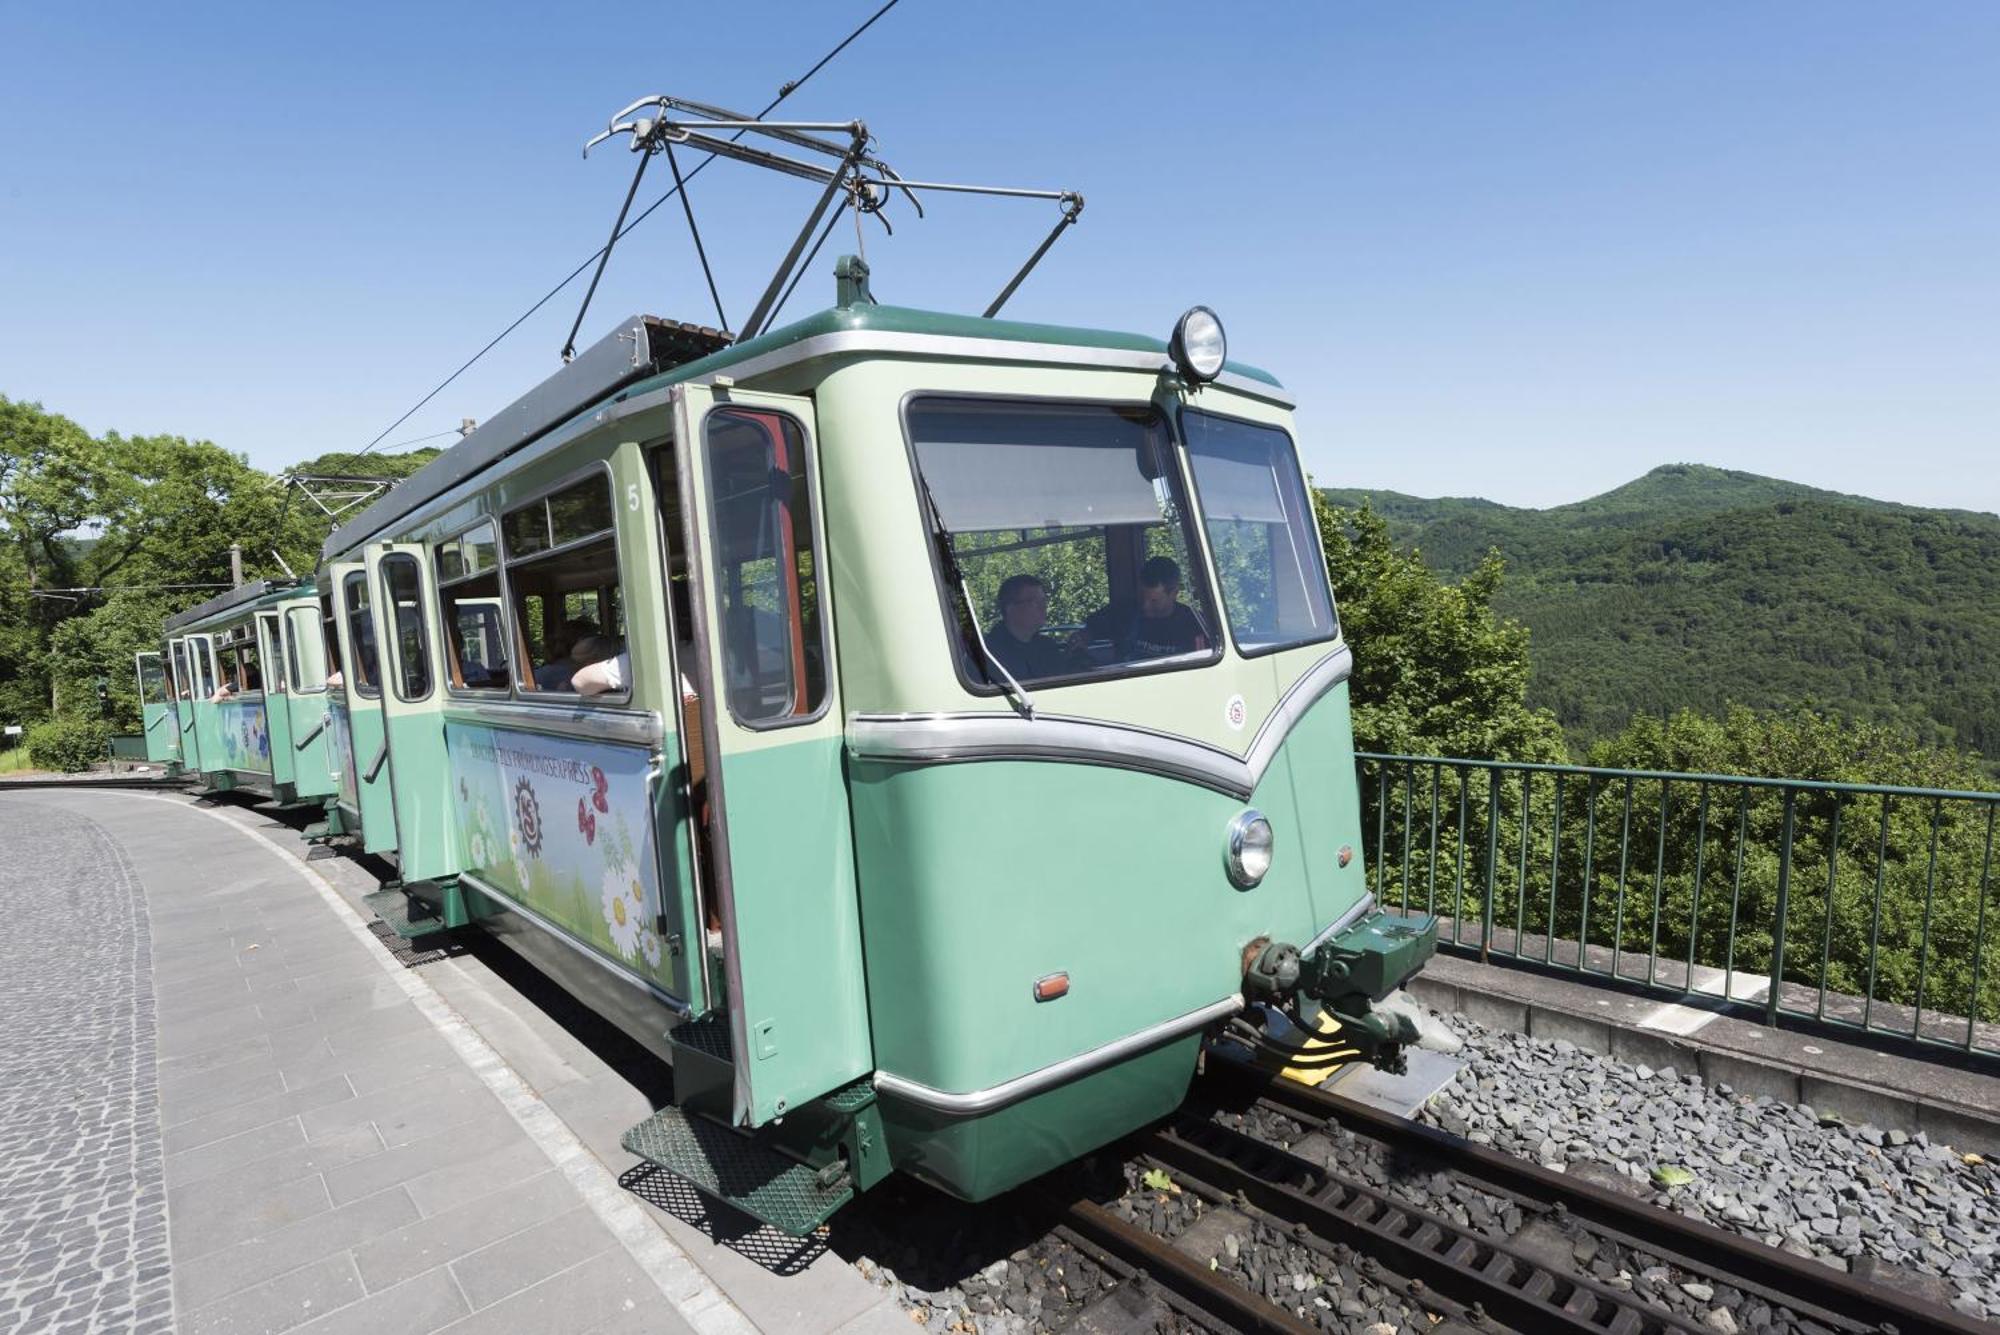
(1343, 977)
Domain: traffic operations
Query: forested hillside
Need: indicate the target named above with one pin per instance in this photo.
(1697, 587)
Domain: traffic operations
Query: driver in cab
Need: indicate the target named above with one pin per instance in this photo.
(1016, 639)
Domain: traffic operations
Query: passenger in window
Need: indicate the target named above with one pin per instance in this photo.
(610, 670)
(555, 674)
(1016, 639)
(1164, 625)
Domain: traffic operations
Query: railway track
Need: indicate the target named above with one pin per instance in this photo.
(1466, 1279)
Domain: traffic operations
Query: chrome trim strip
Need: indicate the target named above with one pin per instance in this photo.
(981, 349)
(981, 1101)
(1361, 908)
(939, 739)
(635, 727)
(618, 971)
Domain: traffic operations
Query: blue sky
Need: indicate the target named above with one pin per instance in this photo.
(1525, 251)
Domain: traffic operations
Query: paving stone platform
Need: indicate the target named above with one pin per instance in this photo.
(226, 1106)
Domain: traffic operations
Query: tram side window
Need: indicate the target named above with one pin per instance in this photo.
(401, 585)
(562, 571)
(306, 664)
(249, 670)
(152, 681)
(1066, 526)
(361, 634)
(773, 656)
(468, 570)
(269, 653)
(183, 684)
(329, 639)
(1260, 528)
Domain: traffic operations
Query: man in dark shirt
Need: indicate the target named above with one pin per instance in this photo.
(1016, 639)
(1163, 625)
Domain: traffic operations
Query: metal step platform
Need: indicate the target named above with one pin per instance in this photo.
(407, 917)
(732, 1167)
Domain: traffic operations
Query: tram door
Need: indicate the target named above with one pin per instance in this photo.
(156, 711)
(781, 856)
(207, 716)
(412, 705)
(277, 718)
(184, 688)
(305, 704)
(367, 760)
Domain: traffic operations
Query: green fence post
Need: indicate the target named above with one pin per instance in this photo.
(1771, 1000)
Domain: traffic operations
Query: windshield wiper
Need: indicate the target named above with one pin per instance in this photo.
(1017, 694)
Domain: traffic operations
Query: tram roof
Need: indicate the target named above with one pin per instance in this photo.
(644, 353)
(239, 598)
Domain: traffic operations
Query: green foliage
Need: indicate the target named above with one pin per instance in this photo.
(1436, 670)
(1882, 895)
(150, 520)
(68, 745)
(1698, 588)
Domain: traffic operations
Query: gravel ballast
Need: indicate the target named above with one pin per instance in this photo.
(1779, 1172)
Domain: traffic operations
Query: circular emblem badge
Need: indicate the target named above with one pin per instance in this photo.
(1236, 713)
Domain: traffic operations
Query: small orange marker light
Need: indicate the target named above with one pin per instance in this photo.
(1346, 854)
(1051, 987)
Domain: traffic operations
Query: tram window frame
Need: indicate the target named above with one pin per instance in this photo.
(183, 678)
(210, 668)
(297, 614)
(1197, 579)
(271, 654)
(791, 581)
(446, 587)
(329, 643)
(361, 686)
(158, 678)
(244, 659)
(522, 665)
(409, 632)
(1314, 559)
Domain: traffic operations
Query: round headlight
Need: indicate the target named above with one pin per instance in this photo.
(1249, 849)
(1198, 346)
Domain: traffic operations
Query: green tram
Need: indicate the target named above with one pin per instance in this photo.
(236, 694)
(923, 731)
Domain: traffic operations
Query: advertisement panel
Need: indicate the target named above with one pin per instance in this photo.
(564, 827)
(245, 735)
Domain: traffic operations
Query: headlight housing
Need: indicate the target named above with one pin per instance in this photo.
(1199, 347)
(1249, 855)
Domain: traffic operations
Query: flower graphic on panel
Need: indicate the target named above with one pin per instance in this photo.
(586, 823)
(528, 817)
(600, 785)
(621, 914)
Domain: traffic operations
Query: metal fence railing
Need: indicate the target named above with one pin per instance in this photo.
(1854, 905)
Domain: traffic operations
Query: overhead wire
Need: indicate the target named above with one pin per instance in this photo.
(784, 91)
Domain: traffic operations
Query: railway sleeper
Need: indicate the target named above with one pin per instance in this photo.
(1458, 1264)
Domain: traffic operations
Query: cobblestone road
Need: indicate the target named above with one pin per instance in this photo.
(83, 1222)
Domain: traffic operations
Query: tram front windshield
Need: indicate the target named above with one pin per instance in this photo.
(1068, 531)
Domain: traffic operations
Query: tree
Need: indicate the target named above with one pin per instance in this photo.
(1436, 671)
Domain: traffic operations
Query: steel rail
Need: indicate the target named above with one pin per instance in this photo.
(1800, 1283)
(1154, 1259)
(1433, 1254)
